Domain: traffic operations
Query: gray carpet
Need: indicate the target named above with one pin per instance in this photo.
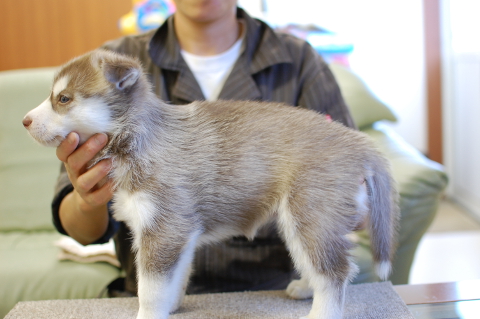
(376, 300)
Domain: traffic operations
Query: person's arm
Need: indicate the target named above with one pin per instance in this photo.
(83, 213)
(320, 90)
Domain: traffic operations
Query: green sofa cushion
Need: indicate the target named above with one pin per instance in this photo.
(27, 170)
(416, 175)
(364, 106)
(30, 269)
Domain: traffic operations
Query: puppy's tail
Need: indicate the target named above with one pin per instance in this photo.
(384, 215)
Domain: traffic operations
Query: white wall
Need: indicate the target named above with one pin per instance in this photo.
(461, 87)
(388, 54)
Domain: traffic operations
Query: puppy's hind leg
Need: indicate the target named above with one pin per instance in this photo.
(322, 260)
(326, 286)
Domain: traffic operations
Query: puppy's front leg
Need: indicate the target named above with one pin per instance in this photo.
(162, 275)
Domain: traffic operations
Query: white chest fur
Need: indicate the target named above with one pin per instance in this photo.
(137, 209)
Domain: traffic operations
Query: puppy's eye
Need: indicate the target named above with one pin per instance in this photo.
(64, 99)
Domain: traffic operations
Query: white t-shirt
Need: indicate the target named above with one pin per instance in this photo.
(211, 72)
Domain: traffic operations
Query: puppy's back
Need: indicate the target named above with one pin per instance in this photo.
(244, 157)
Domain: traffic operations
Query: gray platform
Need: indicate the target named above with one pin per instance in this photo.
(376, 300)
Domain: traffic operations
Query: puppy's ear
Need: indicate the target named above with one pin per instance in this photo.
(121, 71)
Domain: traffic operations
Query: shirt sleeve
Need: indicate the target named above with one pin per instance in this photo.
(62, 189)
(320, 90)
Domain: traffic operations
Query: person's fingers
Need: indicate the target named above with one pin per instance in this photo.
(99, 196)
(76, 163)
(68, 146)
(87, 181)
(86, 152)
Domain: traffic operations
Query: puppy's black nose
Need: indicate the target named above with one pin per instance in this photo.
(26, 122)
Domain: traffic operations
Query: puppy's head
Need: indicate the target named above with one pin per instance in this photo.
(87, 93)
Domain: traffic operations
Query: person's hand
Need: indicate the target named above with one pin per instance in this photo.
(83, 213)
(89, 193)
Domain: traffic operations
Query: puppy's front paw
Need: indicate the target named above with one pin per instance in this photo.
(178, 303)
(151, 315)
(299, 289)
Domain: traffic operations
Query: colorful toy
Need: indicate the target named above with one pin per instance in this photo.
(146, 15)
(333, 47)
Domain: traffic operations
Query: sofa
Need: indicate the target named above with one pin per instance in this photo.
(29, 264)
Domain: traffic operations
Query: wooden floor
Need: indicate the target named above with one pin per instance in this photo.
(450, 251)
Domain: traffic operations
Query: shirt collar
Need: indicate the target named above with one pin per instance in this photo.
(164, 49)
(263, 47)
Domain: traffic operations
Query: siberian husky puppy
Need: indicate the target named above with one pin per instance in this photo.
(190, 175)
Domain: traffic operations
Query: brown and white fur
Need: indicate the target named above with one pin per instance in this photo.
(190, 175)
